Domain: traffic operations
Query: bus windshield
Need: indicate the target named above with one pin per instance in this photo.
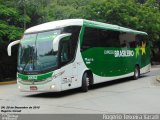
(36, 52)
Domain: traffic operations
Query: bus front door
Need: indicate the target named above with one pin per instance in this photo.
(69, 77)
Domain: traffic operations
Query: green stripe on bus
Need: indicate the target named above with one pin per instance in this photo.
(39, 77)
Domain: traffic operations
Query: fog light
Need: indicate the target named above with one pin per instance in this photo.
(19, 87)
(52, 86)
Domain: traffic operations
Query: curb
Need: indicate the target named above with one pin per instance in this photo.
(8, 82)
(158, 78)
(155, 66)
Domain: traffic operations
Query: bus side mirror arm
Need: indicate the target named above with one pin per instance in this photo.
(57, 40)
(10, 46)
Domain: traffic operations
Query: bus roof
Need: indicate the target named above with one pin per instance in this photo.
(54, 25)
(80, 22)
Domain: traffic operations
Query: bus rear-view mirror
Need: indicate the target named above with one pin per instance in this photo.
(10, 46)
(60, 37)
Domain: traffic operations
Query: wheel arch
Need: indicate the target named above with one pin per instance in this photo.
(90, 74)
(137, 65)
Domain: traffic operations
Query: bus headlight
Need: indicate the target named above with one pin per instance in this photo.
(52, 86)
(19, 87)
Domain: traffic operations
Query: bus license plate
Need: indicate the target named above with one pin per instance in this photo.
(33, 88)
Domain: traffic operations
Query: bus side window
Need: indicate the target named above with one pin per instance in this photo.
(108, 38)
(90, 38)
(125, 44)
(74, 30)
(65, 52)
(142, 38)
(128, 40)
(94, 37)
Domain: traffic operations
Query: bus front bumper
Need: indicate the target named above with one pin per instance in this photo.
(51, 86)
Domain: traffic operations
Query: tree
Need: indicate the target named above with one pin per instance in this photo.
(142, 15)
(10, 23)
(129, 13)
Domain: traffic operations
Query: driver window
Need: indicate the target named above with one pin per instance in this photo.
(65, 50)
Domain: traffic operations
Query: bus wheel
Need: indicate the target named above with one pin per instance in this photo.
(85, 82)
(136, 73)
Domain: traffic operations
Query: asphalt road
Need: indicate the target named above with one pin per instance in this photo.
(120, 96)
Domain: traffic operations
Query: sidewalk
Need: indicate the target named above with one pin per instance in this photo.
(158, 76)
(155, 66)
(8, 82)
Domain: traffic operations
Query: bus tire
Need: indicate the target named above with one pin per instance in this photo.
(136, 73)
(85, 82)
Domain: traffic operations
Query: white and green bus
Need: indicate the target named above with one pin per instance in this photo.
(73, 53)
